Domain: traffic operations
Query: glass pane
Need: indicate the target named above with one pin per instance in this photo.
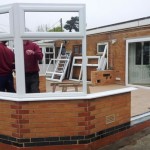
(146, 53)
(48, 57)
(32, 56)
(47, 61)
(138, 53)
(76, 50)
(7, 67)
(51, 21)
(4, 23)
(47, 49)
(101, 48)
(51, 49)
(51, 69)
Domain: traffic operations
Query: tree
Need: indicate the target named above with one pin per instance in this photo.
(72, 24)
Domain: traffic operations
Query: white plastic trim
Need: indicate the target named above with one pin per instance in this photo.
(79, 96)
(140, 118)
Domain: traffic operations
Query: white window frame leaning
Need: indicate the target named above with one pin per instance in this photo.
(101, 53)
(17, 34)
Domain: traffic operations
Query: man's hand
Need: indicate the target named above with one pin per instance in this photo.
(30, 52)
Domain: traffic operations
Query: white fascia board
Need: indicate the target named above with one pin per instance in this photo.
(119, 26)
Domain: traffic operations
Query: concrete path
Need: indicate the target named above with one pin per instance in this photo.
(138, 141)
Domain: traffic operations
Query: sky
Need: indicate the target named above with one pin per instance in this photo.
(103, 12)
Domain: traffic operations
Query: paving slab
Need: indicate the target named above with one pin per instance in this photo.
(138, 141)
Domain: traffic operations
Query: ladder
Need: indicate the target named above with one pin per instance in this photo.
(57, 73)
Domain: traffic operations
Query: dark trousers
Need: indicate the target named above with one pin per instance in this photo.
(7, 83)
(32, 82)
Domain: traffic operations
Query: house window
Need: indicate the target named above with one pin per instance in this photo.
(101, 48)
(77, 49)
(49, 54)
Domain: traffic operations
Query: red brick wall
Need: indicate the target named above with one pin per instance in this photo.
(120, 108)
(102, 77)
(117, 51)
(27, 120)
(42, 84)
(6, 117)
(62, 118)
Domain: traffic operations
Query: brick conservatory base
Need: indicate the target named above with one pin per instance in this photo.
(66, 125)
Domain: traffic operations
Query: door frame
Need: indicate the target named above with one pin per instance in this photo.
(132, 40)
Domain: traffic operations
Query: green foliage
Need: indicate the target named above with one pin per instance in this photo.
(72, 24)
(45, 28)
(56, 29)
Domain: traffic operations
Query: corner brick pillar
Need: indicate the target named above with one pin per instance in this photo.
(86, 117)
(18, 120)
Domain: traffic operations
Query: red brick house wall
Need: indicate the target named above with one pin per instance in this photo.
(117, 51)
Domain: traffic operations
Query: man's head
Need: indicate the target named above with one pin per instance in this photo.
(4, 42)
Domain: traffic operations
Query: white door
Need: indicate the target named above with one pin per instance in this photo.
(139, 63)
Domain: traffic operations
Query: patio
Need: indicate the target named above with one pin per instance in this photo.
(140, 102)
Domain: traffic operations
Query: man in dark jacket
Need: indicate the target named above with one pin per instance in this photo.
(6, 68)
(32, 56)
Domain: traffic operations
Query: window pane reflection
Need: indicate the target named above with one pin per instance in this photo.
(7, 67)
(51, 22)
(4, 23)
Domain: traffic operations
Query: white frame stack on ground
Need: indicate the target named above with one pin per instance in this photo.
(18, 34)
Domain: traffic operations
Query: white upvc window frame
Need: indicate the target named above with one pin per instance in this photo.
(101, 43)
(17, 34)
(106, 49)
(79, 65)
(52, 53)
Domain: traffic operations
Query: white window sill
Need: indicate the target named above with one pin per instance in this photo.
(79, 96)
